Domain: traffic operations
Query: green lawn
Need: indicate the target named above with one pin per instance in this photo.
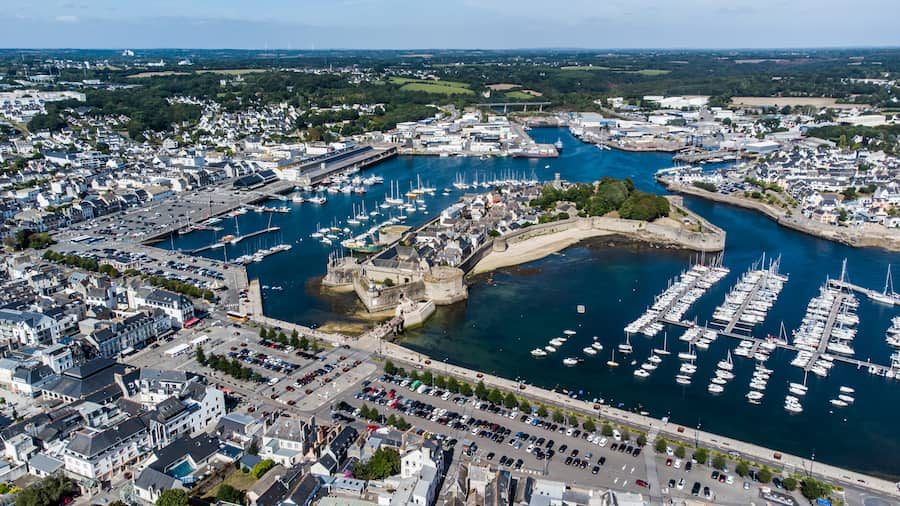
(407, 80)
(237, 479)
(651, 72)
(436, 88)
(519, 95)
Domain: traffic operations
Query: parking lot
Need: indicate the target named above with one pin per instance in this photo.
(526, 445)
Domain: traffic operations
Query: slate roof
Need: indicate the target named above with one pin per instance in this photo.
(91, 444)
(199, 449)
(93, 377)
(151, 479)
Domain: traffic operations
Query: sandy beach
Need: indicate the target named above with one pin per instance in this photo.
(535, 248)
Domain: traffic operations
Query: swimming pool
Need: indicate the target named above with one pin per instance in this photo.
(183, 469)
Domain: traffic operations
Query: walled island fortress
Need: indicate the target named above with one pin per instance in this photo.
(427, 266)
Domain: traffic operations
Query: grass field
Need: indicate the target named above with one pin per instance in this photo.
(583, 67)
(523, 95)
(407, 80)
(503, 86)
(437, 89)
(651, 72)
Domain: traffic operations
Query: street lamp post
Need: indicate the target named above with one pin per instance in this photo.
(697, 434)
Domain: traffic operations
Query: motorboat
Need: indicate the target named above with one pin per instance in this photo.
(839, 403)
(683, 380)
(550, 349)
(641, 373)
(557, 341)
(569, 332)
(846, 398)
(719, 381)
(754, 395)
(725, 375)
(847, 390)
(597, 346)
(648, 366)
(537, 352)
(571, 361)
(589, 350)
(715, 389)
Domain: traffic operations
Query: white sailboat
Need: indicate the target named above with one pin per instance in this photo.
(626, 346)
(612, 361)
(726, 364)
(662, 351)
(887, 295)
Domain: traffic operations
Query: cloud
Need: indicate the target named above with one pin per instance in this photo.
(67, 19)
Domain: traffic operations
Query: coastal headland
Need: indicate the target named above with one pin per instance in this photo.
(858, 237)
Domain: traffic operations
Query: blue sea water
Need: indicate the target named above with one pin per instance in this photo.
(517, 309)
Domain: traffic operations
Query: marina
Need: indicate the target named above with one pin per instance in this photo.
(545, 291)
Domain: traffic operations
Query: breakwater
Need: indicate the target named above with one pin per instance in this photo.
(869, 236)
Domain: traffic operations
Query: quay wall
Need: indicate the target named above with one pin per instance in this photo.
(691, 437)
(880, 237)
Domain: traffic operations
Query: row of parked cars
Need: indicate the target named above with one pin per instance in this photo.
(261, 359)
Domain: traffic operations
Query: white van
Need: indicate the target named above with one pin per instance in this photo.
(617, 435)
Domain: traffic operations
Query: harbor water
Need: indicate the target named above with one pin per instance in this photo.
(514, 310)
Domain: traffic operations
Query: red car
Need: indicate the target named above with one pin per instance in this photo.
(668, 462)
(642, 483)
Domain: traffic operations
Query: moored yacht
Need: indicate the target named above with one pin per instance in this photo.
(537, 352)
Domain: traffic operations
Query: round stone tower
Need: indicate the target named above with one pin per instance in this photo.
(445, 285)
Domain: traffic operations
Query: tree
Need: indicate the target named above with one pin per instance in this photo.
(680, 451)
(465, 389)
(626, 435)
(588, 425)
(790, 483)
(701, 455)
(813, 489)
(230, 494)
(660, 445)
(573, 420)
(49, 491)
(261, 468)
(642, 439)
(524, 406)
(495, 397)
(383, 463)
(719, 462)
(440, 382)
(262, 333)
(558, 417)
(542, 411)
(764, 475)
(742, 469)
(173, 497)
(201, 357)
(427, 378)
(481, 391)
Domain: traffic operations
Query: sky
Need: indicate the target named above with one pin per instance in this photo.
(463, 24)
